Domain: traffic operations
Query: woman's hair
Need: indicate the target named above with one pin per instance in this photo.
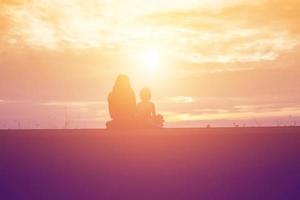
(145, 94)
(121, 101)
(122, 84)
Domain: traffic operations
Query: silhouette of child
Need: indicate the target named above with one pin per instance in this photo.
(145, 111)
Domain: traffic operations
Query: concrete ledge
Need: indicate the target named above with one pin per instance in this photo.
(204, 163)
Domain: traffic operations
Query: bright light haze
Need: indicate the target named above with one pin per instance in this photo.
(206, 61)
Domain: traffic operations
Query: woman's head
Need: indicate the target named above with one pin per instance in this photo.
(145, 94)
(122, 83)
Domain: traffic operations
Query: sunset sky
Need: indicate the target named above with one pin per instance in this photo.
(206, 61)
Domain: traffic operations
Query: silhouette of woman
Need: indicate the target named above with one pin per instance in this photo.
(121, 104)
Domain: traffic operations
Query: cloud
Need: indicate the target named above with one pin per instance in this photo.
(245, 113)
(74, 103)
(199, 32)
(230, 108)
(278, 14)
(6, 101)
(53, 114)
(243, 32)
(180, 99)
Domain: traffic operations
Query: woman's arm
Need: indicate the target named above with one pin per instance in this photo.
(110, 106)
(153, 110)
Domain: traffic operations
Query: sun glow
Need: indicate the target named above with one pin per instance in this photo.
(150, 61)
(150, 66)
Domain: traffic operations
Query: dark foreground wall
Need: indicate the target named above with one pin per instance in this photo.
(236, 163)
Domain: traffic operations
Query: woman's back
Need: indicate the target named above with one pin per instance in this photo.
(121, 102)
(121, 106)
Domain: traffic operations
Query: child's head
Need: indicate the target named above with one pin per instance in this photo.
(145, 94)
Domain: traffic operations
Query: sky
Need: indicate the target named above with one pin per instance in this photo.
(206, 62)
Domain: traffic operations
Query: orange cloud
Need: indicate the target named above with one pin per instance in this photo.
(203, 32)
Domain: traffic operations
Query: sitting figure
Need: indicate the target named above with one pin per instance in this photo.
(121, 104)
(145, 112)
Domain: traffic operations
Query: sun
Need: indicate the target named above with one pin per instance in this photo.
(150, 61)
(150, 65)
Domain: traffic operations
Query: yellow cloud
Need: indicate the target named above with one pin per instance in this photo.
(78, 46)
(191, 31)
(181, 99)
(74, 103)
(231, 115)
